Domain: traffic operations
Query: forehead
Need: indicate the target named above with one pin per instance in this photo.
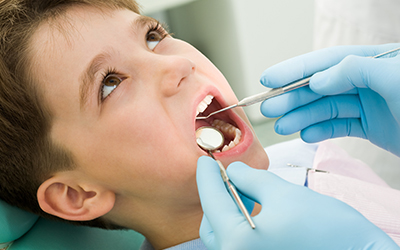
(75, 25)
(63, 47)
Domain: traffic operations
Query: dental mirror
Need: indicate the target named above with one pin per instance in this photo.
(209, 138)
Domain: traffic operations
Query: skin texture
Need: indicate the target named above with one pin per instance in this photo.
(135, 151)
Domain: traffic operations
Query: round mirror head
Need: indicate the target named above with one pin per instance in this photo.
(209, 138)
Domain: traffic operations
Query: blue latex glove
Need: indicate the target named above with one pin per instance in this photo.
(292, 216)
(351, 96)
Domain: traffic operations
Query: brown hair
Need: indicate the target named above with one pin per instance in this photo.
(28, 156)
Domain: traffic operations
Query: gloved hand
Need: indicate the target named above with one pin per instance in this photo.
(292, 216)
(353, 95)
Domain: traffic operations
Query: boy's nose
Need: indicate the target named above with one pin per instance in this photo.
(173, 71)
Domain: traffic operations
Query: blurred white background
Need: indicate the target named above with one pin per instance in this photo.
(243, 38)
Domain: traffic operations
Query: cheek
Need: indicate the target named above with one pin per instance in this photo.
(141, 152)
(260, 159)
(255, 157)
(207, 68)
(203, 65)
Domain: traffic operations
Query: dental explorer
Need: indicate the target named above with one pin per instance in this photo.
(276, 91)
(210, 138)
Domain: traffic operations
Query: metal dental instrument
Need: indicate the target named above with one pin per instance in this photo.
(308, 169)
(209, 138)
(276, 91)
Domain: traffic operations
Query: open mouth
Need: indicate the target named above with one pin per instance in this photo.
(221, 121)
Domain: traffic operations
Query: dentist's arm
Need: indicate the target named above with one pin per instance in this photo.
(353, 95)
(292, 216)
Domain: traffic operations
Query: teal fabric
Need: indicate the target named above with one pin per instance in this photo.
(28, 231)
(51, 235)
(14, 222)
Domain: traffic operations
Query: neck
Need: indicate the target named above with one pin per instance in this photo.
(171, 230)
(163, 225)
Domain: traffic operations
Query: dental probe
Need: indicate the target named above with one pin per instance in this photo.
(276, 91)
(232, 190)
(210, 138)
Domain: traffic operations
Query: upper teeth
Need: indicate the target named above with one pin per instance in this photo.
(204, 104)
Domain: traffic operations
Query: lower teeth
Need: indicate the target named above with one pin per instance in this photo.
(230, 131)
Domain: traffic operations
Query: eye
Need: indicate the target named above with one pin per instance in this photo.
(154, 35)
(153, 38)
(110, 82)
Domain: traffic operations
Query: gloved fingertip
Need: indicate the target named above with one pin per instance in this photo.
(279, 128)
(204, 160)
(270, 78)
(206, 165)
(238, 164)
(318, 82)
(263, 78)
(237, 170)
(205, 226)
(263, 109)
(203, 157)
(237, 167)
(315, 134)
(267, 110)
(287, 124)
(276, 128)
(206, 233)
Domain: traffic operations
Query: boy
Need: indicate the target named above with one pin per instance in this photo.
(98, 107)
(98, 118)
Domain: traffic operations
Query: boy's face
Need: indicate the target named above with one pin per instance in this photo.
(126, 109)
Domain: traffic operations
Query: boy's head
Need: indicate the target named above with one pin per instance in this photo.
(116, 98)
(27, 152)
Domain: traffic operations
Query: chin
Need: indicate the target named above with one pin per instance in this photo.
(256, 157)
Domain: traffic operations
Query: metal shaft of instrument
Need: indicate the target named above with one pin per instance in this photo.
(277, 91)
(232, 190)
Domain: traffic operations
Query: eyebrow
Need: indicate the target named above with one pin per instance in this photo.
(87, 78)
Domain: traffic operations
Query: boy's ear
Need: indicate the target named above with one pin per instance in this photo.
(64, 197)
